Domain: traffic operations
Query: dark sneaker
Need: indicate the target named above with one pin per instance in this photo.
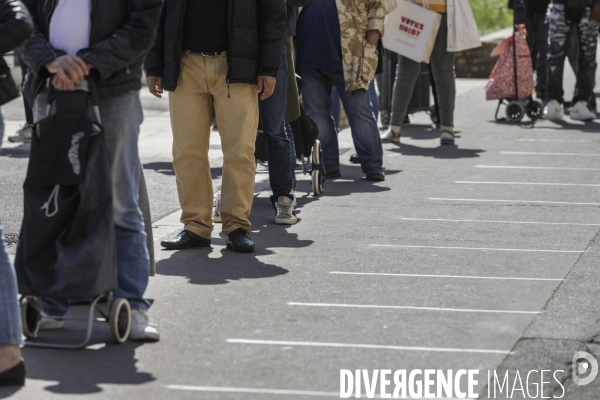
(447, 137)
(354, 159)
(376, 175)
(185, 240)
(239, 241)
(332, 173)
(23, 135)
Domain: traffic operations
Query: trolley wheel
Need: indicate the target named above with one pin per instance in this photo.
(30, 316)
(120, 320)
(515, 111)
(317, 156)
(534, 109)
(318, 180)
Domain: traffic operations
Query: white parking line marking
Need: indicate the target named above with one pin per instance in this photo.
(553, 140)
(535, 153)
(368, 346)
(411, 308)
(497, 222)
(251, 390)
(516, 201)
(527, 183)
(444, 276)
(523, 167)
(476, 248)
(223, 389)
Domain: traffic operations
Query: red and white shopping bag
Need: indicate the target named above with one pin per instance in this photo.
(410, 30)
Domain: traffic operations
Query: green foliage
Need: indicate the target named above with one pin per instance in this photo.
(491, 15)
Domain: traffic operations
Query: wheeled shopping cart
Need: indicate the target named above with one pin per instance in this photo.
(307, 146)
(67, 245)
(511, 81)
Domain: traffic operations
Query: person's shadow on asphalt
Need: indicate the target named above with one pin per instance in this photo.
(218, 265)
(442, 151)
(82, 371)
(21, 151)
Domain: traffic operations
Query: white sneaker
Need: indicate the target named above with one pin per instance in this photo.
(390, 136)
(554, 110)
(142, 328)
(581, 112)
(48, 323)
(23, 135)
(285, 211)
(217, 207)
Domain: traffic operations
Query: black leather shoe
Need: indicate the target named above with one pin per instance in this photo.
(185, 240)
(14, 376)
(376, 175)
(332, 173)
(354, 159)
(239, 241)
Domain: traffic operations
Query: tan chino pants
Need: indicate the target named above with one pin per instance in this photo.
(201, 97)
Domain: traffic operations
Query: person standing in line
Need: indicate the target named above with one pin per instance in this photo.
(534, 17)
(457, 32)
(15, 27)
(216, 58)
(279, 139)
(337, 46)
(564, 17)
(107, 40)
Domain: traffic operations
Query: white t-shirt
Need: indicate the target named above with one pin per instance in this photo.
(70, 25)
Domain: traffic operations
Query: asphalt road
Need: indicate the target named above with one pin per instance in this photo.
(442, 266)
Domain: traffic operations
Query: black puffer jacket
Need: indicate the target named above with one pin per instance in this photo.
(15, 27)
(256, 33)
(122, 33)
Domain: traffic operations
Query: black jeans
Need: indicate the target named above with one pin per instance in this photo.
(537, 39)
(562, 20)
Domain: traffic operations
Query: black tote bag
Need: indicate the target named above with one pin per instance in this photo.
(67, 245)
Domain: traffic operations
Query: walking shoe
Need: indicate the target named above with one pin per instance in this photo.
(390, 136)
(239, 241)
(332, 173)
(14, 376)
(554, 110)
(376, 175)
(142, 327)
(48, 323)
(447, 137)
(285, 214)
(354, 159)
(581, 112)
(217, 208)
(185, 240)
(23, 135)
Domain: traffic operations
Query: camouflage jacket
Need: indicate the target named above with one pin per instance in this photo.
(358, 56)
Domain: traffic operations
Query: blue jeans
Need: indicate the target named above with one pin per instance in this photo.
(279, 148)
(121, 117)
(10, 315)
(335, 103)
(317, 85)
